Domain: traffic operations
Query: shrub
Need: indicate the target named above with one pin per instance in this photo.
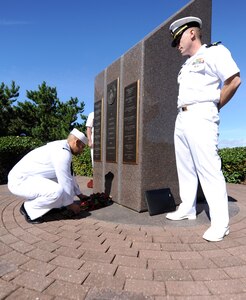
(82, 163)
(234, 164)
(12, 149)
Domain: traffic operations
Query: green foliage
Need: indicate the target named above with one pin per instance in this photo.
(82, 163)
(234, 164)
(43, 116)
(8, 96)
(12, 149)
(18, 144)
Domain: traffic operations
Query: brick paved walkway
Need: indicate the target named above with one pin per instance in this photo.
(92, 258)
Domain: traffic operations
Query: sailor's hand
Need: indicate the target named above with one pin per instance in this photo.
(74, 207)
(82, 197)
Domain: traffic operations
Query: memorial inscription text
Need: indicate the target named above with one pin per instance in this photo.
(98, 130)
(130, 135)
(112, 121)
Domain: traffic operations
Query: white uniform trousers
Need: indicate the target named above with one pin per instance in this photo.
(196, 141)
(41, 194)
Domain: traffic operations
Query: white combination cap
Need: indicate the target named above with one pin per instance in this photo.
(179, 26)
(79, 135)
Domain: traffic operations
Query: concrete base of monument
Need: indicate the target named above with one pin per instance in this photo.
(119, 214)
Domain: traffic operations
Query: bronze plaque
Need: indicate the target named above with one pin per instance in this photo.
(130, 135)
(97, 152)
(112, 121)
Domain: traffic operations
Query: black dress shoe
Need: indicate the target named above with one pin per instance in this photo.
(23, 212)
(36, 221)
(27, 218)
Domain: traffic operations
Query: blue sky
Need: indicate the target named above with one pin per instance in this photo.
(68, 42)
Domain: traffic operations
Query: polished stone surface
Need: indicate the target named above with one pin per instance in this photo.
(155, 65)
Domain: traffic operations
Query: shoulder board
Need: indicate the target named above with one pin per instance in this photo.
(213, 44)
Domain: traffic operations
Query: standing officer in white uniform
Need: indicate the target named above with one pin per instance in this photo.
(90, 136)
(90, 133)
(207, 81)
(44, 177)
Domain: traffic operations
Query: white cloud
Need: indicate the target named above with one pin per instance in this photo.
(226, 143)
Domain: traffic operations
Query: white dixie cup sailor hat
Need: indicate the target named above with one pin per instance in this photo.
(79, 135)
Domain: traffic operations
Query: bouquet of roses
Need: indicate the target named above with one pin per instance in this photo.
(95, 201)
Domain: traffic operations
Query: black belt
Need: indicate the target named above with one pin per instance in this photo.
(189, 106)
(183, 108)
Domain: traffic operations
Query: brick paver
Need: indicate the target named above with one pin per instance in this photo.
(94, 258)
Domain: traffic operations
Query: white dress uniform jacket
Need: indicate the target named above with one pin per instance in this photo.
(196, 131)
(44, 178)
(90, 123)
(202, 74)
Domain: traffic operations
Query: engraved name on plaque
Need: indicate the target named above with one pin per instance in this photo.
(130, 134)
(112, 121)
(97, 150)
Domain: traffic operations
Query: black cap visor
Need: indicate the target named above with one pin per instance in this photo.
(176, 41)
(179, 32)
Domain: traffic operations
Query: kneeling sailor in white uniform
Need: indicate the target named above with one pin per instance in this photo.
(44, 177)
